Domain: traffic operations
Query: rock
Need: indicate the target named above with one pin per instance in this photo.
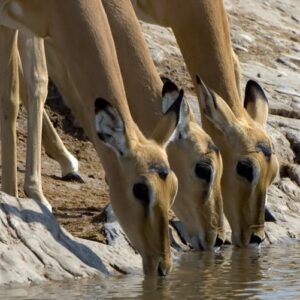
(286, 91)
(295, 104)
(284, 110)
(240, 48)
(296, 47)
(290, 128)
(34, 248)
(281, 145)
(291, 189)
(297, 20)
(177, 242)
(286, 211)
(180, 229)
(270, 77)
(247, 37)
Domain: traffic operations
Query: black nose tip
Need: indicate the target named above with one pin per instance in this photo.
(161, 272)
(219, 242)
(255, 239)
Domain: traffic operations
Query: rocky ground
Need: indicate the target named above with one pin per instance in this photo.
(266, 37)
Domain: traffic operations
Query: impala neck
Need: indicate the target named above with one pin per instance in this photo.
(202, 32)
(142, 82)
(85, 43)
(81, 38)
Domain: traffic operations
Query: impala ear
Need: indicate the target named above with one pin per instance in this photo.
(215, 108)
(269, 217)
(256, 102)
(175, 114)
(110, 127)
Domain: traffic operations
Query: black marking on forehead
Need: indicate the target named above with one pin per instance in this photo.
(162, 171)
(265, 148)
(212, 147)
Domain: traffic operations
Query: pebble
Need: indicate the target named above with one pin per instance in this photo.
(247, 37)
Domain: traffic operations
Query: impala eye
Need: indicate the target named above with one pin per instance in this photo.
(204, 170)
(141, 192)
(246, 169)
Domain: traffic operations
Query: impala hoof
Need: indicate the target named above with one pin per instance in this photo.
(73, 176)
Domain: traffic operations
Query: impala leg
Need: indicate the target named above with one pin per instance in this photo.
(36, 82)
(9, 101)
(53, 144)
(57, 150)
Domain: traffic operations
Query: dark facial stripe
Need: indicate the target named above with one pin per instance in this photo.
(265, 149)
(162, 171)
(212, 147)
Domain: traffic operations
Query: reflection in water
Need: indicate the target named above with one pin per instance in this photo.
(269, 273)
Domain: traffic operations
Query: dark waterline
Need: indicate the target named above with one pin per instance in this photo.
(272, 272)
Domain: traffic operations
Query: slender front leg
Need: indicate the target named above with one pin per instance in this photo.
(36, 82)
(56, 149)
(9, 101)
(53, 144)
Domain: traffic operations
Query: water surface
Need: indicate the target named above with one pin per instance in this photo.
(272, 272)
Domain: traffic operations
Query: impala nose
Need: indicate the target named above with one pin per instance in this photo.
(255, 239)
(219, 242)
(163, 269)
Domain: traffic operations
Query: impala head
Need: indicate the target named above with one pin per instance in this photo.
(249, 161)
(143, 187)
(197, 164)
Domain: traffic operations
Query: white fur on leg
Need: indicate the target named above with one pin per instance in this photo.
(72, 166)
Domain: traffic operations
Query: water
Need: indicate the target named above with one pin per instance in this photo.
(272, 272)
